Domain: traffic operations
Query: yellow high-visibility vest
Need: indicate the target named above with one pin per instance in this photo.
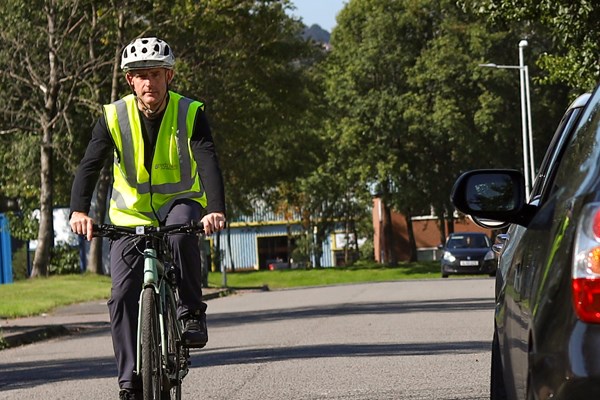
(142, 197)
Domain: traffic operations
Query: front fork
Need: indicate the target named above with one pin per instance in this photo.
(152, 267)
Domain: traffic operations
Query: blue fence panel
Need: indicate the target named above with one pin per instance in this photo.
(5, 252)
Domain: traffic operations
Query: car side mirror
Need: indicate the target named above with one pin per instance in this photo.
(489, 223)
(491, 194)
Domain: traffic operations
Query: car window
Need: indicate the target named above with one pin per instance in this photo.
(556, 145)
(582, 153)
(468, 242)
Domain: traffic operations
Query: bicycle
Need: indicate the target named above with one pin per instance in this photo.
(162, 361)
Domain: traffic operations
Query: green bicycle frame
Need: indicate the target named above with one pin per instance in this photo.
(153, 268)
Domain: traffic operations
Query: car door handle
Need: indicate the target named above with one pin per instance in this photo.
(497, 247)
(502, 238)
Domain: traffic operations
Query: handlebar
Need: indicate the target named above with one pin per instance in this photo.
(112, 231)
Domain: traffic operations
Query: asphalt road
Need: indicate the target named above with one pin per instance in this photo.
(394, 340)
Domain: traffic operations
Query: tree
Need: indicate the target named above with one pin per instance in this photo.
(375, 44)
(459, 110)
(412, 108)
(447, 93)
(43, 78)
(571, 56)
(250, 58)
(245, 61)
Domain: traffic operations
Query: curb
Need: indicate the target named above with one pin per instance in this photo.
(27, 335)
(219, 293)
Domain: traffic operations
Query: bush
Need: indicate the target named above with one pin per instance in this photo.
(64, 260)
(19, 262)
(367, 250)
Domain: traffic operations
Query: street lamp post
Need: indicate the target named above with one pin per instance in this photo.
(528, 161)
(525, 76)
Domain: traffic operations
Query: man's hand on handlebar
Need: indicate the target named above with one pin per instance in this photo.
(213, 222)
(81, 224)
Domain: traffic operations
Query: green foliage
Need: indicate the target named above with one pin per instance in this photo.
(247, 62)
(23, 225)
(412, 107)
(367, 251)
(19, 263)
(442, 105)
(16, 157)
(65, 260)
(571, 55)
(303, 249)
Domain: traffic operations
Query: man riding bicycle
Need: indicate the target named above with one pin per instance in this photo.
(165, 172)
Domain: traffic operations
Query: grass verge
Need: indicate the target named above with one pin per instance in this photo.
(361, 272)
(36, 296)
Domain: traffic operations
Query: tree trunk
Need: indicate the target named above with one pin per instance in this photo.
(105, 179)
(45, 242)
(355, 235)
(411, 238)
(94, 263)
(389, 236)
(442, 222)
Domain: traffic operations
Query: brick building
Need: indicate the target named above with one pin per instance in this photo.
(426, 231)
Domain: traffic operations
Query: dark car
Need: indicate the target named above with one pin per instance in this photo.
(506, 243)
(467, 253)
(546, 342)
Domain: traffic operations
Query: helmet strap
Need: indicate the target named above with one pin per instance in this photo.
(145, 107)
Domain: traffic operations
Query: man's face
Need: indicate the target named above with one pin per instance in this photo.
(150, 85)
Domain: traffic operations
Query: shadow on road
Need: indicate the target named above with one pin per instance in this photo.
(16, 375)
(246, 356)
(404, 307)
(226, 356)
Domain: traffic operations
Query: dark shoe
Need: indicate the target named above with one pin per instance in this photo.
(195, 334)
(130, 394)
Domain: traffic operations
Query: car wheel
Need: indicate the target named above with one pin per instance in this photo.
(444, 276)
(497, 389)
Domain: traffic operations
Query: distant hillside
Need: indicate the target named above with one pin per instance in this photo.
(316, 33)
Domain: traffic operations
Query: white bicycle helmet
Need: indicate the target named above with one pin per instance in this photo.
(147, 52)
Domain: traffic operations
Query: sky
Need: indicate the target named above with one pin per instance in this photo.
(320, 12)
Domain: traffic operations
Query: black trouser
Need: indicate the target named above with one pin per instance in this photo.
(127, 271)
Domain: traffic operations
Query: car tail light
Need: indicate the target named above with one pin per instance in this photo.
(586, 265)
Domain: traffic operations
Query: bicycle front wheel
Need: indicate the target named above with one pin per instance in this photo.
(151, 355)
(175, 355)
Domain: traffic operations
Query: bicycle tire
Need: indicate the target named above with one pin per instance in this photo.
(151, 355)
(174, 351)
